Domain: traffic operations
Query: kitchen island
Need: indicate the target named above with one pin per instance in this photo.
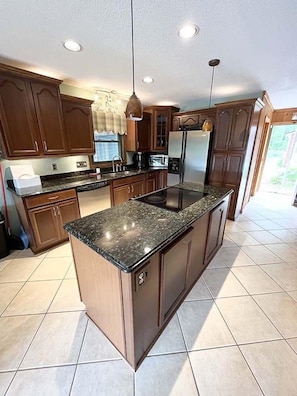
(136, 263)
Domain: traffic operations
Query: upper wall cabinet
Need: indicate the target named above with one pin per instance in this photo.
(192, 118)
(31, 122)
(160, 126)
(139, 134)
(78, 123)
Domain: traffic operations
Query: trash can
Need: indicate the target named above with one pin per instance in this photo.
(4, 251)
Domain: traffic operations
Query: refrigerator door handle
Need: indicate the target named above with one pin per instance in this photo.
(183, 155)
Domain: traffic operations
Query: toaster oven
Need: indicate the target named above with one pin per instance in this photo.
(158, 161)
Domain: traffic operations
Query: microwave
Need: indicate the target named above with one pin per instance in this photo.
(158, 161)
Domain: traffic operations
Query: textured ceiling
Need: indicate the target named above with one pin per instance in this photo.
(254, 39)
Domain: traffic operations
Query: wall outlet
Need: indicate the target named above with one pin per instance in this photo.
(81, 164)
(54, 166)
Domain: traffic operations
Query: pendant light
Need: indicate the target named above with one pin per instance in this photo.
(207, 125)
(134, 107)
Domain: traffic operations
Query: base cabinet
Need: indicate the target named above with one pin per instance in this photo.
(174, 267)
(217, 221)
(129, 187)
(43, 217)
(132, 309)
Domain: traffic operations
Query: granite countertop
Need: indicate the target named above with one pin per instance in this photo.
(128, 234)
(65, 183)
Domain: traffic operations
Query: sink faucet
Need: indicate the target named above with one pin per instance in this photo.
(120, 158)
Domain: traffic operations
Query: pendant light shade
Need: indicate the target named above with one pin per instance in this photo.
(134, 107)
(207, 125)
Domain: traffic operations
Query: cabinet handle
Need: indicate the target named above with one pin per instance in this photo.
(54, 209)
(132, 188)
(58, 210)
(44, 145)
(36, 146)
(137, 145)
(51, 198)
(128, 189)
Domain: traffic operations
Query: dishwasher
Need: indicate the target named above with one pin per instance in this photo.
(93, 197)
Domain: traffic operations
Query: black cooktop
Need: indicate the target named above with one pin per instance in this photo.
(172, 198)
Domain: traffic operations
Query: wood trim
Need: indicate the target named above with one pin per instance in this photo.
(211, 110)
(11, 70)
(74, 99)
(257, 101)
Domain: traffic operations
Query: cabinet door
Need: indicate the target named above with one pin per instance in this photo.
(121, 194)
(161, 121)
(139, 134)
(151, 185)
(174, 266)
(199, 237)
(137, 188)
(217, 169)
(49, 116)
(19, 125)
(45, 226)
(233, 170)
(216, 227)
(66, 211)
(78, 127)
(144, 133)
(162, 179)
(190, 120)
(146, 297)
(176, 123)
(240, 128)
(223, 129)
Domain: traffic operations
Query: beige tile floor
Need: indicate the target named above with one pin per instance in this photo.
(235, 334)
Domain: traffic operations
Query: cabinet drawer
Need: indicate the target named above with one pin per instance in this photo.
(152, 175)
(127, 180)
(39, 200)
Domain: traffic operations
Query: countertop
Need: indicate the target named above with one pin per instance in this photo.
(128, 234)
(75, 181)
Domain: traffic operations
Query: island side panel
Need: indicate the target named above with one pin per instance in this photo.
(141, 299)
(100, 289)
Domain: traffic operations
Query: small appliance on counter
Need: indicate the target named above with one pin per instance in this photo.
(24, 179)
(158, 161)
(140, 160)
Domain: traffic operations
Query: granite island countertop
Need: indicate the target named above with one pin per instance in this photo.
(128, 234)
(65, 183)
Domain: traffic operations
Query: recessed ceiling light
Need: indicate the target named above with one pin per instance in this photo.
(71, 45)
(147, 79)
(188, 31)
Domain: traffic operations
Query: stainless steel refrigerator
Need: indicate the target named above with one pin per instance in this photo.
(188, 154)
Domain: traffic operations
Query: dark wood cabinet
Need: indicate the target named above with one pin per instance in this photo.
(196, 263)
(139, 134)
(162, 182)
(78, 122)
(217, 221)
(233, 128)
(192, 119)
(43, 217)
(174, 267)
(49, 117)
(234, 138)
(152, 182)
(30, 114)
(161, 122)
(125, 188)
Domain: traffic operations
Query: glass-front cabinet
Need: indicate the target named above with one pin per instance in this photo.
(160, 126)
